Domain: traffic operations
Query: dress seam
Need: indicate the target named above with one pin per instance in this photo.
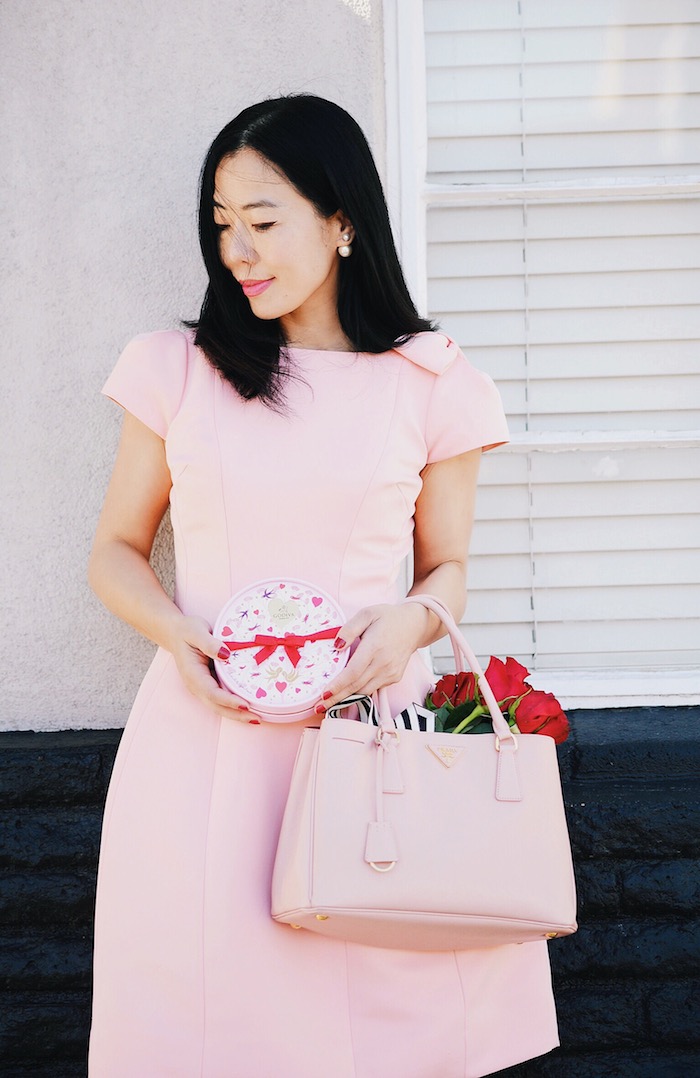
(203, 914)
(428, 420)
(182, 567)
(186, 381)
(352, 1039)
(216, 384)
(464, 1009)
(365, 493)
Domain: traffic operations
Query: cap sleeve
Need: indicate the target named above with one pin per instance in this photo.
(149, 378)
(465, 412)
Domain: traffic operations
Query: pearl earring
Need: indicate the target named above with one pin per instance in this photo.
(346, 250)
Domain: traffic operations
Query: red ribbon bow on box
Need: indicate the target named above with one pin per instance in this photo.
(292, 644)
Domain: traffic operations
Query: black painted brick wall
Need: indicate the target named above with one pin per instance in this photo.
(627, 984)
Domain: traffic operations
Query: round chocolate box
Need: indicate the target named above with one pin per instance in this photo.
(281, 635)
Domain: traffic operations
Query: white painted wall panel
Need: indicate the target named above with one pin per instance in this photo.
(608, 548)
(501, 571)
(619, 466)
(623, 644)
(595, 89)
(610, 79)
(539, 159)
(573, 290)
(604, 255)
(610, 40)
(638, 568)
(588, 255)
(679, 530)
(568, 293)
(625, 13)
(556, 500)
(496, 538)
(670, 217)
(475, 84)
(632, 358)
(624, 396)
(451, 15)
(469, 48)
(615, 324)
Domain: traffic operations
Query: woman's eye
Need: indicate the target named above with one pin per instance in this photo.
(264, 226)
(220, 228)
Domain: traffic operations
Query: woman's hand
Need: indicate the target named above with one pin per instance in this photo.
(388, 637)
(193, 647)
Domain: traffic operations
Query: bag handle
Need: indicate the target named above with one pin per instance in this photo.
(462, 650)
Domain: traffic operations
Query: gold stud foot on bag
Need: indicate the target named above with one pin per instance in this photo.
(321, 916)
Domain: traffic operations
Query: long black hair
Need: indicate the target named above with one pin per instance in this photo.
(323, 153)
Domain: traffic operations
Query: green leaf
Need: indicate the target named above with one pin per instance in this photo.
(442, 715)
(469, 720)
(483, 726)
(462, 711)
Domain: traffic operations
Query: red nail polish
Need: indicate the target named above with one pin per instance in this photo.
(224, 652)
(338, 643)
(242, 707)
(320, 709)
(254, 722)
(327, 695)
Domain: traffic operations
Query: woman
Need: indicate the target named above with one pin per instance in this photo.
(312, 426)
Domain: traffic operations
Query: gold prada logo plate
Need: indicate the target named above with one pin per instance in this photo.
(446, 754)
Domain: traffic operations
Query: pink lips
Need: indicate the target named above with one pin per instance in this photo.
(255, 288)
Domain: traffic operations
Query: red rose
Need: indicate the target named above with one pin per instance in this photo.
(454, 689)
(541, 713)
(507, 679)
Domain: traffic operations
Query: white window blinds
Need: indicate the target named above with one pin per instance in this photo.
(562, 193)
(559, 90)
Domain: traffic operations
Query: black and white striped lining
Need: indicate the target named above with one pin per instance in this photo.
(413, 717)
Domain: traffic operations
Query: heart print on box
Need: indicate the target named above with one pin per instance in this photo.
(281, 635)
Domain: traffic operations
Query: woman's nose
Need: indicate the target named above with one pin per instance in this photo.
(239, 247)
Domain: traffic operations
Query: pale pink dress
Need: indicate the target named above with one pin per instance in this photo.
(192, 977)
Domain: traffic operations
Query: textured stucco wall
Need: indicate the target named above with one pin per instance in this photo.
(109, 110)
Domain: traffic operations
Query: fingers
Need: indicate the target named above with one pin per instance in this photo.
(368, 682)
(202, 684)
(388, 637)
(351, 678)
(199, 635)
(369, 669)
(354, 627)
(193, 658)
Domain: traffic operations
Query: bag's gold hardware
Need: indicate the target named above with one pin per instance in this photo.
(515, 743)
(551, 935)
(321, 916)
(378, 868)
(446, 754)
(294, 926)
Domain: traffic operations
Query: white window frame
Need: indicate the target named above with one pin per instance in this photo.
(410, 196)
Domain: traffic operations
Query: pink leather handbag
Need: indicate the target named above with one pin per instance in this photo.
(425, 841)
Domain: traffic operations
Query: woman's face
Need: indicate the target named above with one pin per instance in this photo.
(272, 239)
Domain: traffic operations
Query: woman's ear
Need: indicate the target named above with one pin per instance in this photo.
(346, 233)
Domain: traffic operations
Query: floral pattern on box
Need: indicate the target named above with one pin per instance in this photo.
(281, 635)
